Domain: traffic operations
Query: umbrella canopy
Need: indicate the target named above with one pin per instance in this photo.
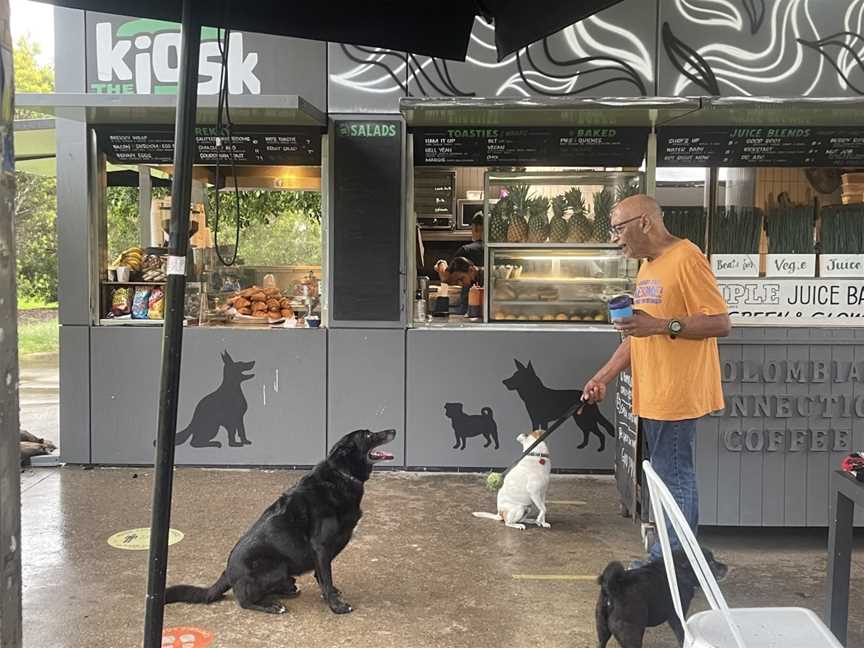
(439, 29)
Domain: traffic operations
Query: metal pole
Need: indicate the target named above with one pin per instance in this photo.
(172, 334)
(10, 435)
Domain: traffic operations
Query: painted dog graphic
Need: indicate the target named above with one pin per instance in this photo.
(223, 408)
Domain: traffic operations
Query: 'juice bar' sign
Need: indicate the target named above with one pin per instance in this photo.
(766, 302)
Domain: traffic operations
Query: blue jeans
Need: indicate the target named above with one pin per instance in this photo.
(670, 450)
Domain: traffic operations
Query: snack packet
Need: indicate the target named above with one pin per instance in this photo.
(157, 304)
(121, 301)
(140, 302)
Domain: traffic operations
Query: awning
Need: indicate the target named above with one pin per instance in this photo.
(290, 110)
(768, 111)
(553, 111)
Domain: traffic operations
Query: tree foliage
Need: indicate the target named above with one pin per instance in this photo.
(30, 75)
(36, 237)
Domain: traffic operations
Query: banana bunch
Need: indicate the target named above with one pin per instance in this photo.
(133, 257)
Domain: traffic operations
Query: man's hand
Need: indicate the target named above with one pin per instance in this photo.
(594, 391)
(641, 324)
(440, 265)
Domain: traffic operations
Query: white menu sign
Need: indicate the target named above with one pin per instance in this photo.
(735, 265)
(841, 265)
(800, 302)
(790, 265)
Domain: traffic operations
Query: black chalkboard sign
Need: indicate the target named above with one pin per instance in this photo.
(626, 443)
(367, 218)
(760, 146)
(434, 191)
(275, 145)
(496, 146)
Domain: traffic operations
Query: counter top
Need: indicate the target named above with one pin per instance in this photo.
(462, 323)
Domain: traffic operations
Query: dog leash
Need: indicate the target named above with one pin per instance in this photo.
(575, 409)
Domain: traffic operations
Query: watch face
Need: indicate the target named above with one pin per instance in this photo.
(675, 326)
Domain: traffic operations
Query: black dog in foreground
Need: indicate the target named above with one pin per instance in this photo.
(304, 530)
(633, 600)
(545, 405)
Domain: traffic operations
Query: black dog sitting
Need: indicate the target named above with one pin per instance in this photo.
(304, 530)
(633, 600)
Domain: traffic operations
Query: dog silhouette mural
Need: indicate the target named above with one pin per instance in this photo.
(466, 426)
(223, 408)
(546, 405)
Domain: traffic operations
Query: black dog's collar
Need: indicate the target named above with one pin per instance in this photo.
(350, 478)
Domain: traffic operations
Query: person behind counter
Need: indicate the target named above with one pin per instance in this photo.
(462, 272)
(472, 251)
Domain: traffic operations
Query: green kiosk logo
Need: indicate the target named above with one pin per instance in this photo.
(142, 57)
(367, 129)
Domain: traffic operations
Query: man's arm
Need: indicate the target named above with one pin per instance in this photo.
(694, 327)
(595, 389)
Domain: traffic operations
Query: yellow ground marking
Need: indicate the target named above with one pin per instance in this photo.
(139, 539)
(554, 577)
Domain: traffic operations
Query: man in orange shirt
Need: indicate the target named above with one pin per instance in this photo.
(670, 345)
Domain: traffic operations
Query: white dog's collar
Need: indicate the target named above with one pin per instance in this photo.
(545, 455)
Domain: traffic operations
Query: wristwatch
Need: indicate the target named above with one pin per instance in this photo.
(674, 327)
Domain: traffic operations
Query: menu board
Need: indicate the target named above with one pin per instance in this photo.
(367, 221)
(246, 146)
(762, 146)
(626, 442)
(564, 146)
(433, 192)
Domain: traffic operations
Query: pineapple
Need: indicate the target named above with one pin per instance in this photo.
(517, 230)
(626, 189)
(538, 223)
(580, 227)
(498, 220)
(559, 229)
(603, 204)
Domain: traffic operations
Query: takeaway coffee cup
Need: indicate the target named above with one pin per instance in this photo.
(620, 306)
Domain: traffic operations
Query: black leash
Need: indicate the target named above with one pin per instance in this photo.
(575, 409)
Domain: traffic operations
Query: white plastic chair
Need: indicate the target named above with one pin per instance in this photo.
(722, 627)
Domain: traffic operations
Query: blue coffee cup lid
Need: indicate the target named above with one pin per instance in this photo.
(620, 301)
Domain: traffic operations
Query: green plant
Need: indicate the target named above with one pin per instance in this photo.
(736, 231)
(686, 222)
(36, 237)
(842, 229)
(38, 337)
(790, 230)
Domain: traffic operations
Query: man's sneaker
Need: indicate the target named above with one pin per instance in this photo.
(636, 564)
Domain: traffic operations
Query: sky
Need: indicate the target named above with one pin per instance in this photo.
(37, 19)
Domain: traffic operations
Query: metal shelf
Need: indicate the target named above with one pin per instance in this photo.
(551, 246)
(568, 280)
(134, 283)
(540, 302)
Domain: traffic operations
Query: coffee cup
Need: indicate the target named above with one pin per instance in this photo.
(123, 273)
(620, 306)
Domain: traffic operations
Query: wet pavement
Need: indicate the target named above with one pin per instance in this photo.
(420, 571)
(39, 395)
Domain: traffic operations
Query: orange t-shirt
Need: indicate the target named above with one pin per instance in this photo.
(676, 379)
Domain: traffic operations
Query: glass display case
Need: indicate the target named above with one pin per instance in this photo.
(557, 285)
(549, 256)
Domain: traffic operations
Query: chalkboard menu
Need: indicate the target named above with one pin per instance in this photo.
(260, 146)
(761, 146)
(564, 146)
(367, 219)
(626, 443)
(434, 190)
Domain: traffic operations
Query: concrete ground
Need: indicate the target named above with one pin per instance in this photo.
(39, 394)
(421, 571)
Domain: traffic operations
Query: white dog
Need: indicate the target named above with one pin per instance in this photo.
(524, 488)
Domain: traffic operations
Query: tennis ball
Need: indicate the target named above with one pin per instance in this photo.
(494, 481)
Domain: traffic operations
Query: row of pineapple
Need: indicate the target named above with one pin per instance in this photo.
(519, 218)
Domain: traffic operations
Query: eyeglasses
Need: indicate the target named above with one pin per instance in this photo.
(616, 229)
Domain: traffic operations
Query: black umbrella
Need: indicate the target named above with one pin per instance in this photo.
(440, 29)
